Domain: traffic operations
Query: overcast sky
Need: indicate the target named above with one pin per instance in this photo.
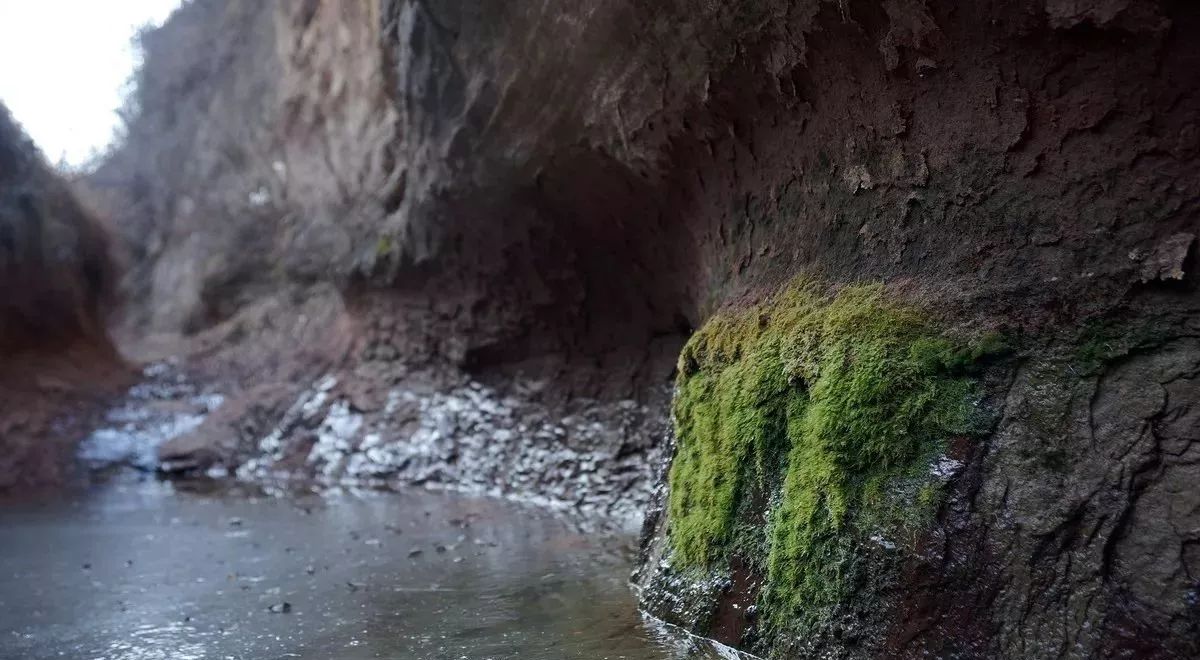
(64, 65)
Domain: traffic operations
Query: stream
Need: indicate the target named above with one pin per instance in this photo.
(139, 568)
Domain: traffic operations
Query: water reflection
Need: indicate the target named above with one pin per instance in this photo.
(141, 571)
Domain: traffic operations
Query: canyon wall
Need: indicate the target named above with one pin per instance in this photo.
(903, 289)
(56, 362)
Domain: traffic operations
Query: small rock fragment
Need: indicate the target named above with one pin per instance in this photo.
(1165, 261)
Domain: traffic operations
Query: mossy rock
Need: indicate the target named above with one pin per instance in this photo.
(829, 408)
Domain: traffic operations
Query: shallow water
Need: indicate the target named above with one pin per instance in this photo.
(141, 570)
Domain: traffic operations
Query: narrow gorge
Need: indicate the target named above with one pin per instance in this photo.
(882, 315)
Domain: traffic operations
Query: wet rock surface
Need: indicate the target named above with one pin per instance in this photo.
(1095, 468)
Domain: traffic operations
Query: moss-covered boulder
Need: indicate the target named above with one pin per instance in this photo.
(822, 416)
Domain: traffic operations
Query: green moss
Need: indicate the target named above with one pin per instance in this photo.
(1102, 341)
(383, 246)
(831, 408)
(1098, 342)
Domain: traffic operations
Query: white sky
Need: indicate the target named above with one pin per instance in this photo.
(64, 65)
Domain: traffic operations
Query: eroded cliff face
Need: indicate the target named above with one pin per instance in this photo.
(932, 264)
(56, 362)
(256, 139)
